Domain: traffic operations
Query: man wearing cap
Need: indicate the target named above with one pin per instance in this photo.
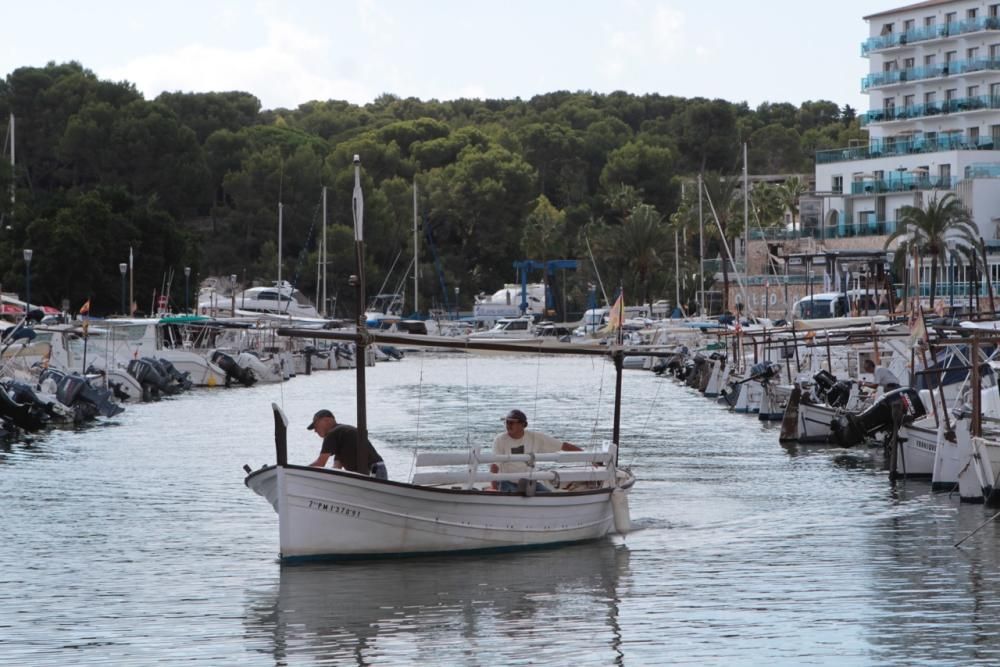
(341, 442)
(518, 440)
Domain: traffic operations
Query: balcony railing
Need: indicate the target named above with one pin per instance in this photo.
(983, 170)
(839, 231)
(876, 79)
(925, 33)
(893, 146)
(901, 183)
(931, 109)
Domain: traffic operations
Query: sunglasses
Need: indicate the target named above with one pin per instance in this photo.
(512, 421)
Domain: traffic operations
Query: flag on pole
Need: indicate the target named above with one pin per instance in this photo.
(85, 311)
(617, 315)
(358, 202)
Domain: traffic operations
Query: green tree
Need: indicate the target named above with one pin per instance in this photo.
(928, 230)
(544, 234)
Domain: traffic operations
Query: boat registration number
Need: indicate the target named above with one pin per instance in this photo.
(336, 509)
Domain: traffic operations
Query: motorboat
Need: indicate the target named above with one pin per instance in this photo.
(278, 299)
(508, 328)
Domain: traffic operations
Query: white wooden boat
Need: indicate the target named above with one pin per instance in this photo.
(335, 514)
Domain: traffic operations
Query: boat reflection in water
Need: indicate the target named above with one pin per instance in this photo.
(451, 610)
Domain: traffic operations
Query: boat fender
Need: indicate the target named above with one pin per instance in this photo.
(619, 508)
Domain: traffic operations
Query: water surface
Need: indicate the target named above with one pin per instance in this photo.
(135, 542)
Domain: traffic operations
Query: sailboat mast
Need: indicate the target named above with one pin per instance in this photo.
(677, 270)
(12, 164)
(701, 250)
(358, 204)
(746, 227)
(322, 308)
(416, 253)
(280, 207)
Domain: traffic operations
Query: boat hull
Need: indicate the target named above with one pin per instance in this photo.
(326, 513)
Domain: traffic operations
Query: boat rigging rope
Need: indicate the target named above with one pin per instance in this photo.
(600, 395)
(645, 424)
(420, 395)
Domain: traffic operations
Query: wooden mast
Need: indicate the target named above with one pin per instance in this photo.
(361, 341)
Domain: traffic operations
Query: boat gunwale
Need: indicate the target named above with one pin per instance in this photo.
(435, 489)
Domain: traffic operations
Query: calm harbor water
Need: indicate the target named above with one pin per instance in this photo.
(135, 542)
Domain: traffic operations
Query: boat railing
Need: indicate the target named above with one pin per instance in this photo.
(472, 459)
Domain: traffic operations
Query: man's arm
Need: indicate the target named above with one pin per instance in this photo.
(321, 461)
(570, 447)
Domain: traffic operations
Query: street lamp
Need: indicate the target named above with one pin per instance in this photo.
(187, 288)
(27, 280)
(123, 268)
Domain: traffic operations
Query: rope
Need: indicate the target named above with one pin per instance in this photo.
(420, 396)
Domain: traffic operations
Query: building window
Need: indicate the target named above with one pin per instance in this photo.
(972, 91)
(930, 59)
(929, 21)
(930, 98)
(950, 17)
(950, 56)
(950, 94)
(886, 29)
(971, 14)
(837, 186)
(995, 95)
(909, 63)
(995, 134)
(972, 54)
(944, 175)
(994, 51)
(993, 11)
(889, 106)
(973, 136)
(908, 25)
(908, 101)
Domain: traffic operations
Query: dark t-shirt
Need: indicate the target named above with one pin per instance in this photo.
(342, 444)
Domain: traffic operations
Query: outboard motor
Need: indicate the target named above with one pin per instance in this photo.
(168, 387)
(765, 371)
(148, 376)
(88, 401)
(895, 408)
(233, 370)
(181, 380)
(23, 414)
(835, 393)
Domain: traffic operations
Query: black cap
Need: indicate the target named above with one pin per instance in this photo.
(516, 415)
(319, 414)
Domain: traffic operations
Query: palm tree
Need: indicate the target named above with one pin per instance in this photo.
(641, 239)
(789, 193)
(928, 231)
(720, 193)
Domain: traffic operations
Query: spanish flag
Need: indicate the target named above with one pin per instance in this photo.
(85, 308)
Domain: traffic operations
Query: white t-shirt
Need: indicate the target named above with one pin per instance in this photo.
(533, 442)
(884, 376)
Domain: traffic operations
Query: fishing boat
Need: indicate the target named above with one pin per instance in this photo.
(326, 513)
(449, 505)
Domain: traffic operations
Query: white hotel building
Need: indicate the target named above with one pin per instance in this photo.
(934, 127)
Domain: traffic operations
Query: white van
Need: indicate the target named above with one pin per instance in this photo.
(838, 304)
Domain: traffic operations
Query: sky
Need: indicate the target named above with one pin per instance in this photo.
(293, 51)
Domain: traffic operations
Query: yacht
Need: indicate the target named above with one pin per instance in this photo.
(278, 299)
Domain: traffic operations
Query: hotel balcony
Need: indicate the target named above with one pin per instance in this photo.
(960, 105)
(899, 76)
(894, 146)
(901, 183)
(926, 33)
(842, 230)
